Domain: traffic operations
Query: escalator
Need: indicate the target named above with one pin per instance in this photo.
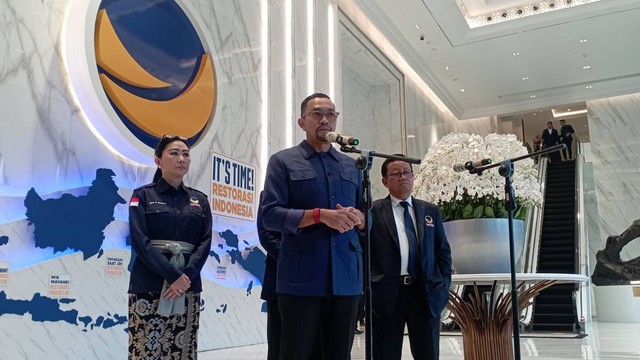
(554, 308)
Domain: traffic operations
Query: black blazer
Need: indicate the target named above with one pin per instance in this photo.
(550, 139)
(566, 132)
(385, 256)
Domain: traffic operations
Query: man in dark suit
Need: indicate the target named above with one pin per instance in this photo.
(550, 138)
(410, 268)
(566, 136)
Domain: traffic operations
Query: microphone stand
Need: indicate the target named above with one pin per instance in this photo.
(506, 169)
(363, 163)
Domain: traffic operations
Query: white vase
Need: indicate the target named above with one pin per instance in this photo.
(481, 246)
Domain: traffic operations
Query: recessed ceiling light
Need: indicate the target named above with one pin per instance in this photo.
(532, 96)
(462, 90)
(534, 114)
(586, 67)
(583, 40)
(568, 109)
(559, 114)
(446, 68)
(588, 87)
(516, 54)
(525, 78)
(417, 26)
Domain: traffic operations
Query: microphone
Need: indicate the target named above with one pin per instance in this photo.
(341, 139)
(470, 165)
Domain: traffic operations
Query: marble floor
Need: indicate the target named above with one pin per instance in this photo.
(606, 341)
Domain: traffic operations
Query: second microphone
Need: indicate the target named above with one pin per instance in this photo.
(470, 165)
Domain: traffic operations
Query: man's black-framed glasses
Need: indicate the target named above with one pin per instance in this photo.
(398, 175)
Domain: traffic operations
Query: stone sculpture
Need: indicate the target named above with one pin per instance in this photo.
(610, 269)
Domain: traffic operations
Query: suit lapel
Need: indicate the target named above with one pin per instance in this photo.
(390, 221)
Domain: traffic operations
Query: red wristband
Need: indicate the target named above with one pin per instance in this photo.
(316, 215)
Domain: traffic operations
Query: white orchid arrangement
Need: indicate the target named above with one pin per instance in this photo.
(461, 195)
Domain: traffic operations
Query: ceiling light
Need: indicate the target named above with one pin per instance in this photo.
(557, 114)
(532, 96)
(525, 78)
(568, 109)
(583, 41)
(588, 87)
(515, 12)
(446, 68)
(462, 90)
(586, 67)
(417, 26)
(516, 54)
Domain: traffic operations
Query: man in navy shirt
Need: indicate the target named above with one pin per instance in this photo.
(270, 241)
(311, 197)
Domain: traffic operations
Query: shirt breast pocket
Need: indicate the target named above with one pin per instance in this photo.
(349, 184)
(195, 215)
(303, 184)
(159, 220)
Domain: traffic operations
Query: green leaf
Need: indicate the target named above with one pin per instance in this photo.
(477, 212)
(521, 213)
(468, 212)
(488, 212)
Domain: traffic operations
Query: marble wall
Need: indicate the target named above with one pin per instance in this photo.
(615, 138)
(384, 102)
(268, 56)
(429, 121)
(46, 144)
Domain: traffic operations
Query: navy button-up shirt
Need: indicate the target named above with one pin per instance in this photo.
(161, 212)
(315, 260)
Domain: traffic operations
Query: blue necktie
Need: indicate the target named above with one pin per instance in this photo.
(413, 239)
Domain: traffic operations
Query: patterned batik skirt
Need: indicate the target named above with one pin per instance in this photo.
(156, 337)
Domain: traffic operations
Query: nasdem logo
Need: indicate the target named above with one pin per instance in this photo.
(154, 69)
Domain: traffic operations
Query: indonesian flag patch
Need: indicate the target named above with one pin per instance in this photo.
(134, 202)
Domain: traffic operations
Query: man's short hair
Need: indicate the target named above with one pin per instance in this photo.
(303, 106)
(386, 163)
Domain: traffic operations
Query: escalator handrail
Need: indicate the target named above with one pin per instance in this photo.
(532, 236)
(581, 296)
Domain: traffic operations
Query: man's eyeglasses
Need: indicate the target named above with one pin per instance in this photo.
(398, 175)
(319, 115)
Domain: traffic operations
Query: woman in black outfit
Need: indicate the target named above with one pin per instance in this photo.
(170, 226)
